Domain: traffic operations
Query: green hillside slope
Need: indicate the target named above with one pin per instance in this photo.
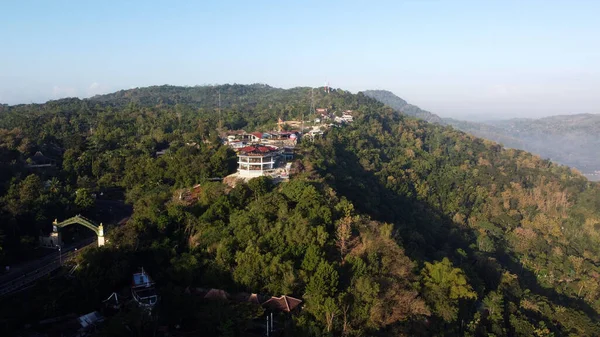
(389, 226)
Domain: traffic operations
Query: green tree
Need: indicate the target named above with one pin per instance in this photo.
(260, 186)
(30, 189)
(249, 269)
(321, 293)
(443, 286)
(84, 199)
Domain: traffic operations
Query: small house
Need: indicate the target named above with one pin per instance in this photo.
(38, 160)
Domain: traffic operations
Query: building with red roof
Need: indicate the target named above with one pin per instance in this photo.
(283, 303)
(256, 160)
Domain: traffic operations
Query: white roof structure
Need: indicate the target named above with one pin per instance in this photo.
(90, 319)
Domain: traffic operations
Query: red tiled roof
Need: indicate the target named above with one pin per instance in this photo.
(257, 149)
(257, 134)
(254, 299)
(283, 303)
(216, 294)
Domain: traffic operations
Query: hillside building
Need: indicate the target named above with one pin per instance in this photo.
(256, 160)
(38, 160)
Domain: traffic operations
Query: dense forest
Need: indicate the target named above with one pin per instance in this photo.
(389, 225)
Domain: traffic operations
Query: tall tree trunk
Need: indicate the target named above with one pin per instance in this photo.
(329, 318)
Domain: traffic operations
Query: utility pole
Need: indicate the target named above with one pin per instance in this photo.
(302, 125)
(267, 325)
(220, 115)
(312, 101)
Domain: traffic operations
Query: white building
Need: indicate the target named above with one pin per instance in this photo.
(237, 144)
(256, 160)
(346, 117)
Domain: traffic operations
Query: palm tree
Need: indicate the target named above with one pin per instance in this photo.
(54, 185)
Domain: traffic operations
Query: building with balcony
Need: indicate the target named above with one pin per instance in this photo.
(256, 160)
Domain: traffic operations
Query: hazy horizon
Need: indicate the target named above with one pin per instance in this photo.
(466, 59)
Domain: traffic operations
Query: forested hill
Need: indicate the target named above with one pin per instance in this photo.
(570, 140)
(199, 96)
(389, 225)
(388, 98)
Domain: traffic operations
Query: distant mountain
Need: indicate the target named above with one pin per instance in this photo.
(388, 98)
(571, 140)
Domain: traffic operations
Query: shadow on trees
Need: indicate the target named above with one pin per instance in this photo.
(427, 234)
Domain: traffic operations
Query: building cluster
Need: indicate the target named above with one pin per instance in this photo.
(240, 138)
(324, 116)
(282, 303)
(270, 153)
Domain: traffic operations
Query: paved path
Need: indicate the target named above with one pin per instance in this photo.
(29, 272)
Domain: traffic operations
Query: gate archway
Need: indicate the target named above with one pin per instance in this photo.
(78, 219)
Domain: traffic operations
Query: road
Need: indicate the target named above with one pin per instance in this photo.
(20, 276)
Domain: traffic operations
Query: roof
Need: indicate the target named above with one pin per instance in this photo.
(39, 155)
(257, 149)
(282, 303)
(250, 298)
(141, 280)
(253, 298)
(257, 134)
(39, 158)
(217, 294)
(89, 319)
(112, 300)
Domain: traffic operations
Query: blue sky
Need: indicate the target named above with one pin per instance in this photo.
(484, 59)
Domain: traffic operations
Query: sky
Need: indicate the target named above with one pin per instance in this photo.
(466, 59)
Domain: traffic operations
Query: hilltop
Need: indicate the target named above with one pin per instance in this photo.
(388, 225)
(388, 98)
